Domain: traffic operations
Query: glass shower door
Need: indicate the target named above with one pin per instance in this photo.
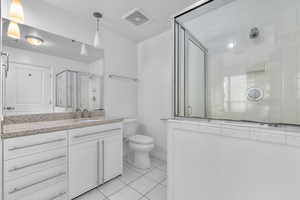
(195, 57)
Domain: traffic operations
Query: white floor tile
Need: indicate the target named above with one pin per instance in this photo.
(156, 175)
(143, 185)
(126, 193)
(111, 187)
(158, 193)
(140, 171)
(129, 175)
(92, 195)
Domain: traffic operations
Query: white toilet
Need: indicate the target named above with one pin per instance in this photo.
(139, 146)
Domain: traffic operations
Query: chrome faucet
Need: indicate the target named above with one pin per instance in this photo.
(85, 113)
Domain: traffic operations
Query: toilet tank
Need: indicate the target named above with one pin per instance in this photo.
(130, 127)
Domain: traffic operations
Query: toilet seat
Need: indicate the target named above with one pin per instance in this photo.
(140, 139)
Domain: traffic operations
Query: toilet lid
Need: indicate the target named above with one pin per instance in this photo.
(141, 139)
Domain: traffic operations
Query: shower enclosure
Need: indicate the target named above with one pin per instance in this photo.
(238, 60)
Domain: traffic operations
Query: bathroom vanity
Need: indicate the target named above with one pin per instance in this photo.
(60, 159)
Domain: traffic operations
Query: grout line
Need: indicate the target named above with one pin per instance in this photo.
(156, 186)
(107, 196)
(144, 173)
(151, 189)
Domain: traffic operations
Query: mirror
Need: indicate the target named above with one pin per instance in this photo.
(50, 73)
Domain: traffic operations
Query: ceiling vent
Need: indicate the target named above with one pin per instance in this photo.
(136, 17)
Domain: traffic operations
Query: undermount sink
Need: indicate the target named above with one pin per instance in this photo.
(89, 120)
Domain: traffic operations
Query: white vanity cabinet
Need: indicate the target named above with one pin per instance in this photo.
(61, 165)
(95, 156)
(113, 156)
(35, 167)
(84, 173)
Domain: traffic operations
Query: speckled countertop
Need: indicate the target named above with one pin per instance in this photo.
(33, 128)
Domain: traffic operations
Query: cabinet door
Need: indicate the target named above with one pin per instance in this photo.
(83, 167)
(113, 159)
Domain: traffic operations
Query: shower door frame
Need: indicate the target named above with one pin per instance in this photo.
(175, 61)
(188, 37)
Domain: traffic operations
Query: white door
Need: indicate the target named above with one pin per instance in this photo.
(83, 170)
(113, 151)
(28, 89)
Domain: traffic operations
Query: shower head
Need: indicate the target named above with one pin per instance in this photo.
(254, 33)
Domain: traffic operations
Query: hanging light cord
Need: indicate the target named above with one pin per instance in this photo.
(98, 21)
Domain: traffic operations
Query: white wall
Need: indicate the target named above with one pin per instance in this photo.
(119, 52)
(155, 89)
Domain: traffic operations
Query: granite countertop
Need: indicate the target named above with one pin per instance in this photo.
(34, 128)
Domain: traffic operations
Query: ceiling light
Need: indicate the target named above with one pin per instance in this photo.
(83, 50)
(98, 38)
(16, 12)
(231, 45)
(13, 30)
(34, 40)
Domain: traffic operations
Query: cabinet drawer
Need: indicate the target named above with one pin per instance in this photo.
(29, 185)
(22, 146)
(19, 167)
(90, 133)
(55, 192)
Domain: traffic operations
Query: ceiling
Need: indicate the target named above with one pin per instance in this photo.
(53, 45)
(233, 22)
(158, 11)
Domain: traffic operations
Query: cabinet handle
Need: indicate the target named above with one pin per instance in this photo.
(36, 163)
(57, 196)
(98, 163)
(103, 161)
(95, 133)
(36, 183)
(34, 145)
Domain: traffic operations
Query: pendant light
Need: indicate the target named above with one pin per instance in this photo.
(16, 12)
(13, 30)
(98, 38)
(83, 50)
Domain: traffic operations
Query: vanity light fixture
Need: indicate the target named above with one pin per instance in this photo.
(83, 50)
(16, 12)
(34, 40)
(13, 30)
(98, 38)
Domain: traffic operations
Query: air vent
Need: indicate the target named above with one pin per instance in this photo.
(136, 17)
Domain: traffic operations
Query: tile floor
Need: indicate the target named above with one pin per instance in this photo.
(134, 184)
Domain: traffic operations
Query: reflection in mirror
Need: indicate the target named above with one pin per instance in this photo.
(249, 68)
(50, 73)
(77, 91)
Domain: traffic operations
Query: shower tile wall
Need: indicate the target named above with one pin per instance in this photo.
(271, 62)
